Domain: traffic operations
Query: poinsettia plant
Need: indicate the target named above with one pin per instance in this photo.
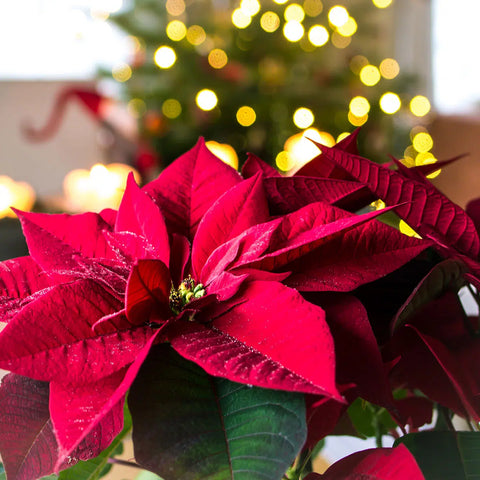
(233, 321)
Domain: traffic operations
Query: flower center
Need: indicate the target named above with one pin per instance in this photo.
(187, 291)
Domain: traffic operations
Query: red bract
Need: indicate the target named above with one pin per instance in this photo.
(193, 259)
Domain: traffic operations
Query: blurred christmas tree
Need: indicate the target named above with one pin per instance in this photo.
(254, 73)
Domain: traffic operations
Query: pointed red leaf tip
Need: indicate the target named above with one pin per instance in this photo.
(238, 209)
(254, 165)
(189, 186)
(139, 215)
(427, 210)
(375, 464)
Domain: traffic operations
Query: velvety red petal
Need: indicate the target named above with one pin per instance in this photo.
(254, 165)
(240, 208)
(188, 187)
(52, 337)
(140, 215)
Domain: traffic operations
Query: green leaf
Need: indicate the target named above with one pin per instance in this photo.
(445, 455)
(188, 424)
(145, 475)
(370, 420)
(98, 467)
(447, 275)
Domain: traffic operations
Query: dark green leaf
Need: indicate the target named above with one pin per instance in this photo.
(447, 275)
(98, 466)
(189, 425)
(445, 455)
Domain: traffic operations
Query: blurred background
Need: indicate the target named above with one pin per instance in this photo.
(91, 89)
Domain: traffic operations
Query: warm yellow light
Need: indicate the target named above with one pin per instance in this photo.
(409, 152)
(294, 13)
(250, 7)
(370, 75)
(284, 161)
(280, 2)
(389, 68)
(176, 30)
(357, 63)
(422, 142)
(164, 57)
(101, 187)
(217, 58)
(122, 72)
(171, 108)
(293, 31)
(175, 7)
(417, 129)
(426, 158)
(338, 16)
(420, 105)
(342, 136)
(390, 103)
(206, 99)
(246, 116)
(15, 194)
(136, 107)
(359, 106)
(224, 152)
(340, 41)
(270, 21)
(357, 121)
(196, 35)
(348, 28)
(318, 35)
(382, 3)
(313, 8)
(320, 137)
(406, 229)
(240, 20)
(303, 117)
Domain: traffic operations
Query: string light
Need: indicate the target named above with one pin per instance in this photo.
(293, 31)
(389, 68)
(313, 8)
(217, 58)
(359, 106)
(294, 12)
(240, 20)
(206, 99)
(270, 21)
(338, 16)
(122, 72)
(246, 116)
(171, 108)
(318, 35)
(370, 75)
(390, 103)
(164, 57)
(420, 106)
(176, 30)
(303, 117)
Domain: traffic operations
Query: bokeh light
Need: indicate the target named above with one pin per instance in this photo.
(420, 105)
(270, 21)
(246, 116)
(217, 58)
(357, 121)
(382, 3)
(313, 8)
(284, 161)
(359, 106)
(370, 75)
(338, 16)
(240, 19)
(171, 108)
(122, 72)
(294, 12)
(224, 152)
(250, 7)
(175, 7)
(136, 107)
(342, 136)
(422, 142)
(196, 35)
(406, 229)
(165, 57)
(206, 99)
(340, 41)
(293, 31)
(357, 63)
(318, 35)
(348, 28)
(390, 103)
(176, 30)
(389, 68)
(303, 117)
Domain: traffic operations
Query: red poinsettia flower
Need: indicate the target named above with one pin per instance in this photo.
(194, 259)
